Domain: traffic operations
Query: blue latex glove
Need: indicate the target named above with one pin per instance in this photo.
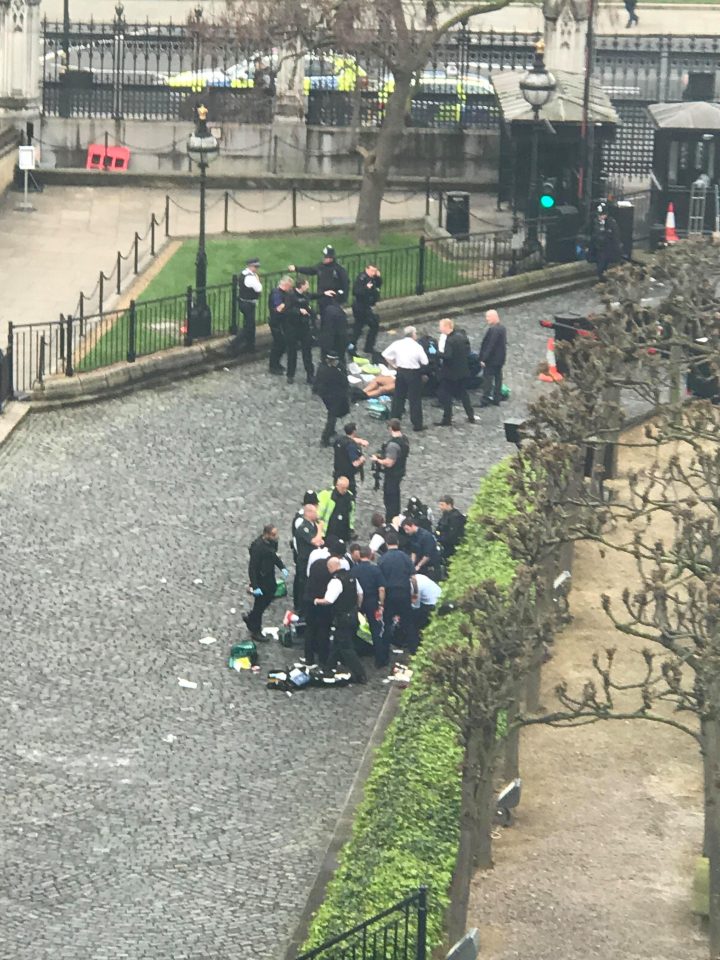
(285, 573)
(257, 592)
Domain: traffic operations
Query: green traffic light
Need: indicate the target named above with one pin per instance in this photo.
(547, 202)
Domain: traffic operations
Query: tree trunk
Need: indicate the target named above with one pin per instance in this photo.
(711, 772)
(511, 764)
(484, 799)
(463, 873)
(376, 168)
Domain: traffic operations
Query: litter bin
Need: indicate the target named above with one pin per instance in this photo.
(624, 213)
(457, 216)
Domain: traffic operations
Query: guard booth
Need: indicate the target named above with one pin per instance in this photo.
(561, 148)
(685, 169)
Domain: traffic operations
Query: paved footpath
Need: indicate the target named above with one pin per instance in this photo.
(140, 819)
(75, 232)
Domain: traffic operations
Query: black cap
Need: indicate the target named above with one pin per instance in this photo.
(328, 251)
(252, 262)
(331, 357)
(310, 497)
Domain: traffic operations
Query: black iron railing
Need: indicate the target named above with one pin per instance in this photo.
(398, 933)
(6, 377)
(80, 342)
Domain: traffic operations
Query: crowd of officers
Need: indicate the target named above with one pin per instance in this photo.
(394, 580)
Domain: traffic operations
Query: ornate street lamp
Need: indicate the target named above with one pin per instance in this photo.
(202, 148)
(537, 87)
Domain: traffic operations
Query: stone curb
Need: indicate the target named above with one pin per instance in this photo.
(14, 412)
(180, 362)
(343, 828)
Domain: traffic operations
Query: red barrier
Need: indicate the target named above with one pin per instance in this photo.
(113, 159)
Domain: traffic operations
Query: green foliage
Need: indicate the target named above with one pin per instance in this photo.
(406, 829)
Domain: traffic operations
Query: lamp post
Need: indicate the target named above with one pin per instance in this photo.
(537, 87)
(202, 148)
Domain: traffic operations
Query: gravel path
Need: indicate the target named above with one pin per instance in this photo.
(599, 862)
(140, 819)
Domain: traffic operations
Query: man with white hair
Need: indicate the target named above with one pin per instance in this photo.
(409, 359)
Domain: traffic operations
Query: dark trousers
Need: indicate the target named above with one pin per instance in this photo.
(362, 315)
(343, 647)
(381, 645)
(450, 390)
(299, 583)
(318, 620)
(248, 309)
(391, 496)
(254, 618)
(400, 626)
(421, 616)
(299, 337)
(408, 386)
(492, 383)
(632, 16)
(278, 343)
(329, 431)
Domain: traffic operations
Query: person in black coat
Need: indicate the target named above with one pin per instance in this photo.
(261, 573)
(493, 351)
(366, 293)
(454, 350)
(333, 331)
(333, 284)
(606, 242)
(331, 385)
(450, 526)
(298, 331)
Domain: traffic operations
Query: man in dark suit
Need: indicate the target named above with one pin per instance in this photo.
(454, 351)
(493, 351)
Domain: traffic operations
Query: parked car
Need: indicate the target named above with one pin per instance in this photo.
(236, 76)
(334, 72)
(436, 98)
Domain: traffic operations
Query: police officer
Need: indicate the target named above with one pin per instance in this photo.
(306, 536)
(333, 332)
(372, 584)
(393, 460)
(366, 293)
(344, 595)
(331, 385)
(397, 570)
(332, 279)
(279, 303)
(410, 361)
(298, 331)
(248, 295)
(423, 549)
(261, 573)
(348, 458)
(336, 510)
(318, 617)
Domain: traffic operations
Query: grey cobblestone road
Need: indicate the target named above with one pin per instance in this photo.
(141, 819)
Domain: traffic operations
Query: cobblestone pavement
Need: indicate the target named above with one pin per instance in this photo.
(140, 819)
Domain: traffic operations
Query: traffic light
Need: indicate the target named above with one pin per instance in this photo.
(547, 194)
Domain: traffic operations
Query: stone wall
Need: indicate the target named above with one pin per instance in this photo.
(9, 139)
(249, 149)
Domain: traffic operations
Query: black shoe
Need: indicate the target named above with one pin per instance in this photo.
(443, 423)
(473, 420)
(291, 379)
(496, 403)
(485, 403)
(277, 371)
(310, 379)
(419, 429)
(324, 442)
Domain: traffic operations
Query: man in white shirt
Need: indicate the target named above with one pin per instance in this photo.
(409, 359)
(249, 292)
(344, 594)
(425, 595)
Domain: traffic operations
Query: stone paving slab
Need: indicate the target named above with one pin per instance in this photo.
(139, 819)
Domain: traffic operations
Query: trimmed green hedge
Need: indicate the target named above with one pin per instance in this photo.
(406, 828)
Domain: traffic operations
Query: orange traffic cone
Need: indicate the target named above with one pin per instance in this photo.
(670, 231)
(552, 375)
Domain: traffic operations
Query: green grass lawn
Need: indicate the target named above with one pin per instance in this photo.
(159, 320)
